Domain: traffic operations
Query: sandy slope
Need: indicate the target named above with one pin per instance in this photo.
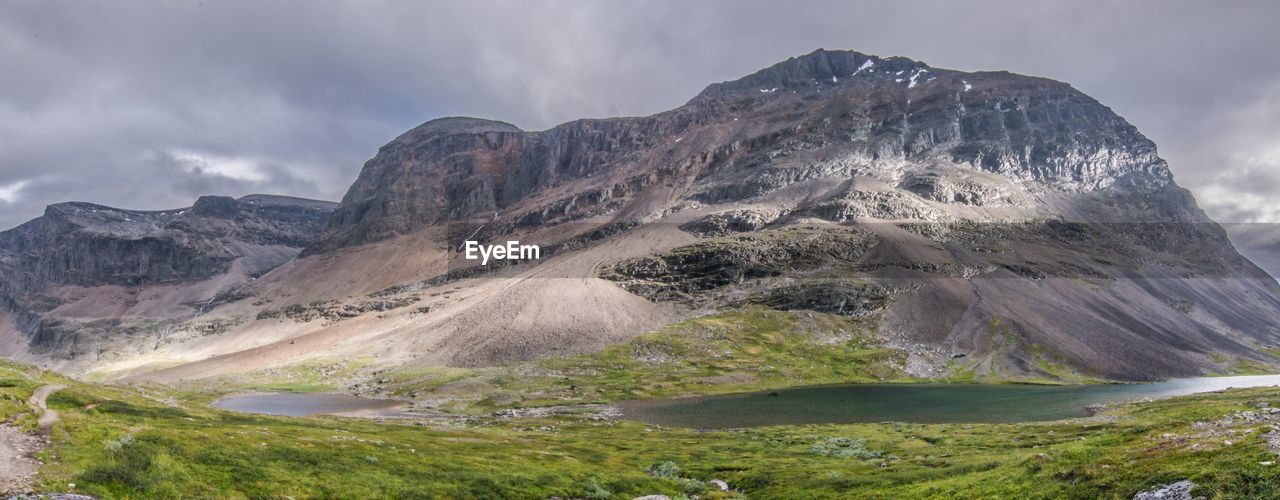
(555, 307)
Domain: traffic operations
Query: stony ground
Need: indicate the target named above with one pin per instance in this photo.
(17, 447)
(17, 467)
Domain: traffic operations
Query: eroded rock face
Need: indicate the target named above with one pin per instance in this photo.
(85, 245)
(944, 189)
(882, 205)
(824, 115)
(687, 271)
(736, 221)
(440, 170)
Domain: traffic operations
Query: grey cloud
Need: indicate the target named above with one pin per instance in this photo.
(1260, 242)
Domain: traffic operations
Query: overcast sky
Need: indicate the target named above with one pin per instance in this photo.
(150, 104)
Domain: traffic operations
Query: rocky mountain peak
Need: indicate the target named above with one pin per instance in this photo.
(823, 115)
(77, 251)
(224, 207)
(820, 67)
(88, 244)
(450, 126)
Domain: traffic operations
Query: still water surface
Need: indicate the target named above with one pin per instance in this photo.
(921, 403)
(300, 405)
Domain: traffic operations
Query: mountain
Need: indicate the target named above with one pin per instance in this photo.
(743, 139)
(85, 280)
(987, 223)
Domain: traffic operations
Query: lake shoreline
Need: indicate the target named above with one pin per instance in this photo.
(915, 402)
(306, 404)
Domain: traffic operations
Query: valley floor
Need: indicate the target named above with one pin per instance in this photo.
(117, 441)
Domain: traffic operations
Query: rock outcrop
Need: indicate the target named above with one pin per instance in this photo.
(82, 247)
(86, 244)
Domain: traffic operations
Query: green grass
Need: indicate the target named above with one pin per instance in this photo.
(1244, 366)
(745, 350)
(120, 442)
(749, 349)
(165, 441)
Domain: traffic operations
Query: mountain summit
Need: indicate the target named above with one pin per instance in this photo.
(986, 223)
(825, 114)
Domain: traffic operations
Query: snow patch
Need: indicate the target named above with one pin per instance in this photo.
(914, 75)
(967, 87)
(865, 65)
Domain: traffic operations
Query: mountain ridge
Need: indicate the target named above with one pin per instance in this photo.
(82, 270)
(971, 201)
(531, 162)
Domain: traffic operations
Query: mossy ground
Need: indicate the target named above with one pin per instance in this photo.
(116, 441)
(122, 442)
(750, 349)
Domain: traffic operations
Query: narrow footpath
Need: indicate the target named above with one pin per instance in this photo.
(17, 464)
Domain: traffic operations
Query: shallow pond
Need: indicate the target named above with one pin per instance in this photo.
(921, 403)
(300, 405)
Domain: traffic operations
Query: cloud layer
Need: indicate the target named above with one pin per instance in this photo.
(149, 104)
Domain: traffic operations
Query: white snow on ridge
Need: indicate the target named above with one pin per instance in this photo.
(915, 75)
(967, 87)
(865, 64)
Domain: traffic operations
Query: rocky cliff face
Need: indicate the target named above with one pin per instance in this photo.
(82, 246)
(826, 114)
(86, 244)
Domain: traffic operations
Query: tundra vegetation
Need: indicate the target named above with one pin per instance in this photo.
(144, 442)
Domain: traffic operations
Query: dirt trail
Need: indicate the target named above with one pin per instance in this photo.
(17, 467)
(37, 402)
